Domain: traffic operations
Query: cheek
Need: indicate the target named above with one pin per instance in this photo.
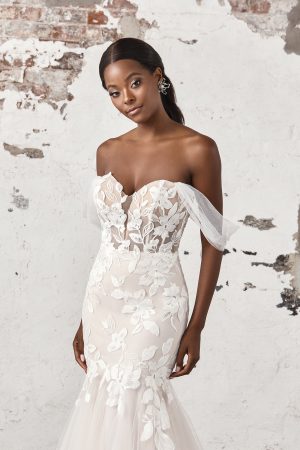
(148, 96)
(116, 101)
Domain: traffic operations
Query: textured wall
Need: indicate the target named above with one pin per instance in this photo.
(235, 67)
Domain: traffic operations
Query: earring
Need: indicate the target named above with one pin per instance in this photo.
(163, 85)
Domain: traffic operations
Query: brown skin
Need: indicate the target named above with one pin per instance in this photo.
(78, 347)
(160, 148)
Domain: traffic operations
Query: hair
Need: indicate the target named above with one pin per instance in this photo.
(142, 52)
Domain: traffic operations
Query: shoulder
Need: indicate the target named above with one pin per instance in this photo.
(204, 165)
(106, 151)
(114, 143)
(201, 152)
(107, 145)
(200, 146)
(102, 156)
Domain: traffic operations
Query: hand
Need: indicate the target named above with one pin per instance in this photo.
(190, 345)
(78, 347)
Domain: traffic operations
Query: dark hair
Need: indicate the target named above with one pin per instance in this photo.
(141, 51)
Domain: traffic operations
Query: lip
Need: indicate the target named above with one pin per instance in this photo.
(134, 110)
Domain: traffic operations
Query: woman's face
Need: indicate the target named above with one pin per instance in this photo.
(130, 86)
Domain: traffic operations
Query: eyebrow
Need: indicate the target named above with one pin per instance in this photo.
(128, 76)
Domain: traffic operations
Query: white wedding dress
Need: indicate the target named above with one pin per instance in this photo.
(134, 313)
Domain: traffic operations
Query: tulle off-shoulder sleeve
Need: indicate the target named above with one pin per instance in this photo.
(89, 205)
(216, 228)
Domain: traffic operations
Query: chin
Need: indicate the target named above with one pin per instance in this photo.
(136, 120)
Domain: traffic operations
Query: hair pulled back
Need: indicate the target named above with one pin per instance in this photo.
(144, 53)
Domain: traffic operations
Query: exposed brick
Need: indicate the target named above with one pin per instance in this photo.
(68, 33)
(97, 18)
(70, 3)
(29, 13)
(64, 15)
(83, 26)
(99, 35)
(8, 12)
(117, 8)
(64, 33)
(250, 6)
(260, 7)
(19, 29)
(20, 12)
(42, 31)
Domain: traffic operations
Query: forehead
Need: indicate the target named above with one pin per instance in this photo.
(118, 71)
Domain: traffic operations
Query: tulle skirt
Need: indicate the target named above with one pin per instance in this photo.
(94, 426)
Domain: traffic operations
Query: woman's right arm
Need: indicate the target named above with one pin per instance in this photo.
(78, 347)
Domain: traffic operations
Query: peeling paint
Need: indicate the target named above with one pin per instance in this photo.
(30, 152)
(19, 200)
(257, 263)
(261, 224)
(248, 285)
(280, 18)
(282, 264)
(42, 72)
(288, 264)
(292, 36)
(290, 300)
(248, 252)
(190, 42)
(46, 74)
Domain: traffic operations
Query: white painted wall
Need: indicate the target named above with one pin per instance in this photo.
(233, 85)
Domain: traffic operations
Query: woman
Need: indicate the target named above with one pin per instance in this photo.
(134, 329)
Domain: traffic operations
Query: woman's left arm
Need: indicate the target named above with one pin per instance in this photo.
(205, 163)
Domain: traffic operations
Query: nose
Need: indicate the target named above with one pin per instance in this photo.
(128, 96)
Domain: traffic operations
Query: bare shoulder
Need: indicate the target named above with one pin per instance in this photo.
(105, 152)
(109, 151)
(113, 143)
(201, 152)
(101, 156)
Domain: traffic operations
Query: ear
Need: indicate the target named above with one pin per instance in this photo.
(158, 73)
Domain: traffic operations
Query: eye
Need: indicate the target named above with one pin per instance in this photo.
(112, 94)
(138, 80)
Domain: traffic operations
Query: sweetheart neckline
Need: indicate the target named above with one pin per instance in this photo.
(146, 184)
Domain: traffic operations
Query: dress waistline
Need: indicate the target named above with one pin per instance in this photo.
(120, 250)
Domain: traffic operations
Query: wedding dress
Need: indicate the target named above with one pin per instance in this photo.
(134, 313)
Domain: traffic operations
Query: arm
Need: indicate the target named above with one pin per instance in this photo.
(207, 178)
(205, 166)
(78, 348)
(78, 342)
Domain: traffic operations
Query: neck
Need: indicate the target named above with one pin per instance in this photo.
(157, 125)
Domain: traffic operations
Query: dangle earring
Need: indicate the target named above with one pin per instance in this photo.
(163, 85)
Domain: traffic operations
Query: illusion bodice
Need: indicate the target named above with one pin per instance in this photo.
(154, 217)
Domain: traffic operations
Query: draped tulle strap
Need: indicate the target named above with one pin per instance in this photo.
(216, 228)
